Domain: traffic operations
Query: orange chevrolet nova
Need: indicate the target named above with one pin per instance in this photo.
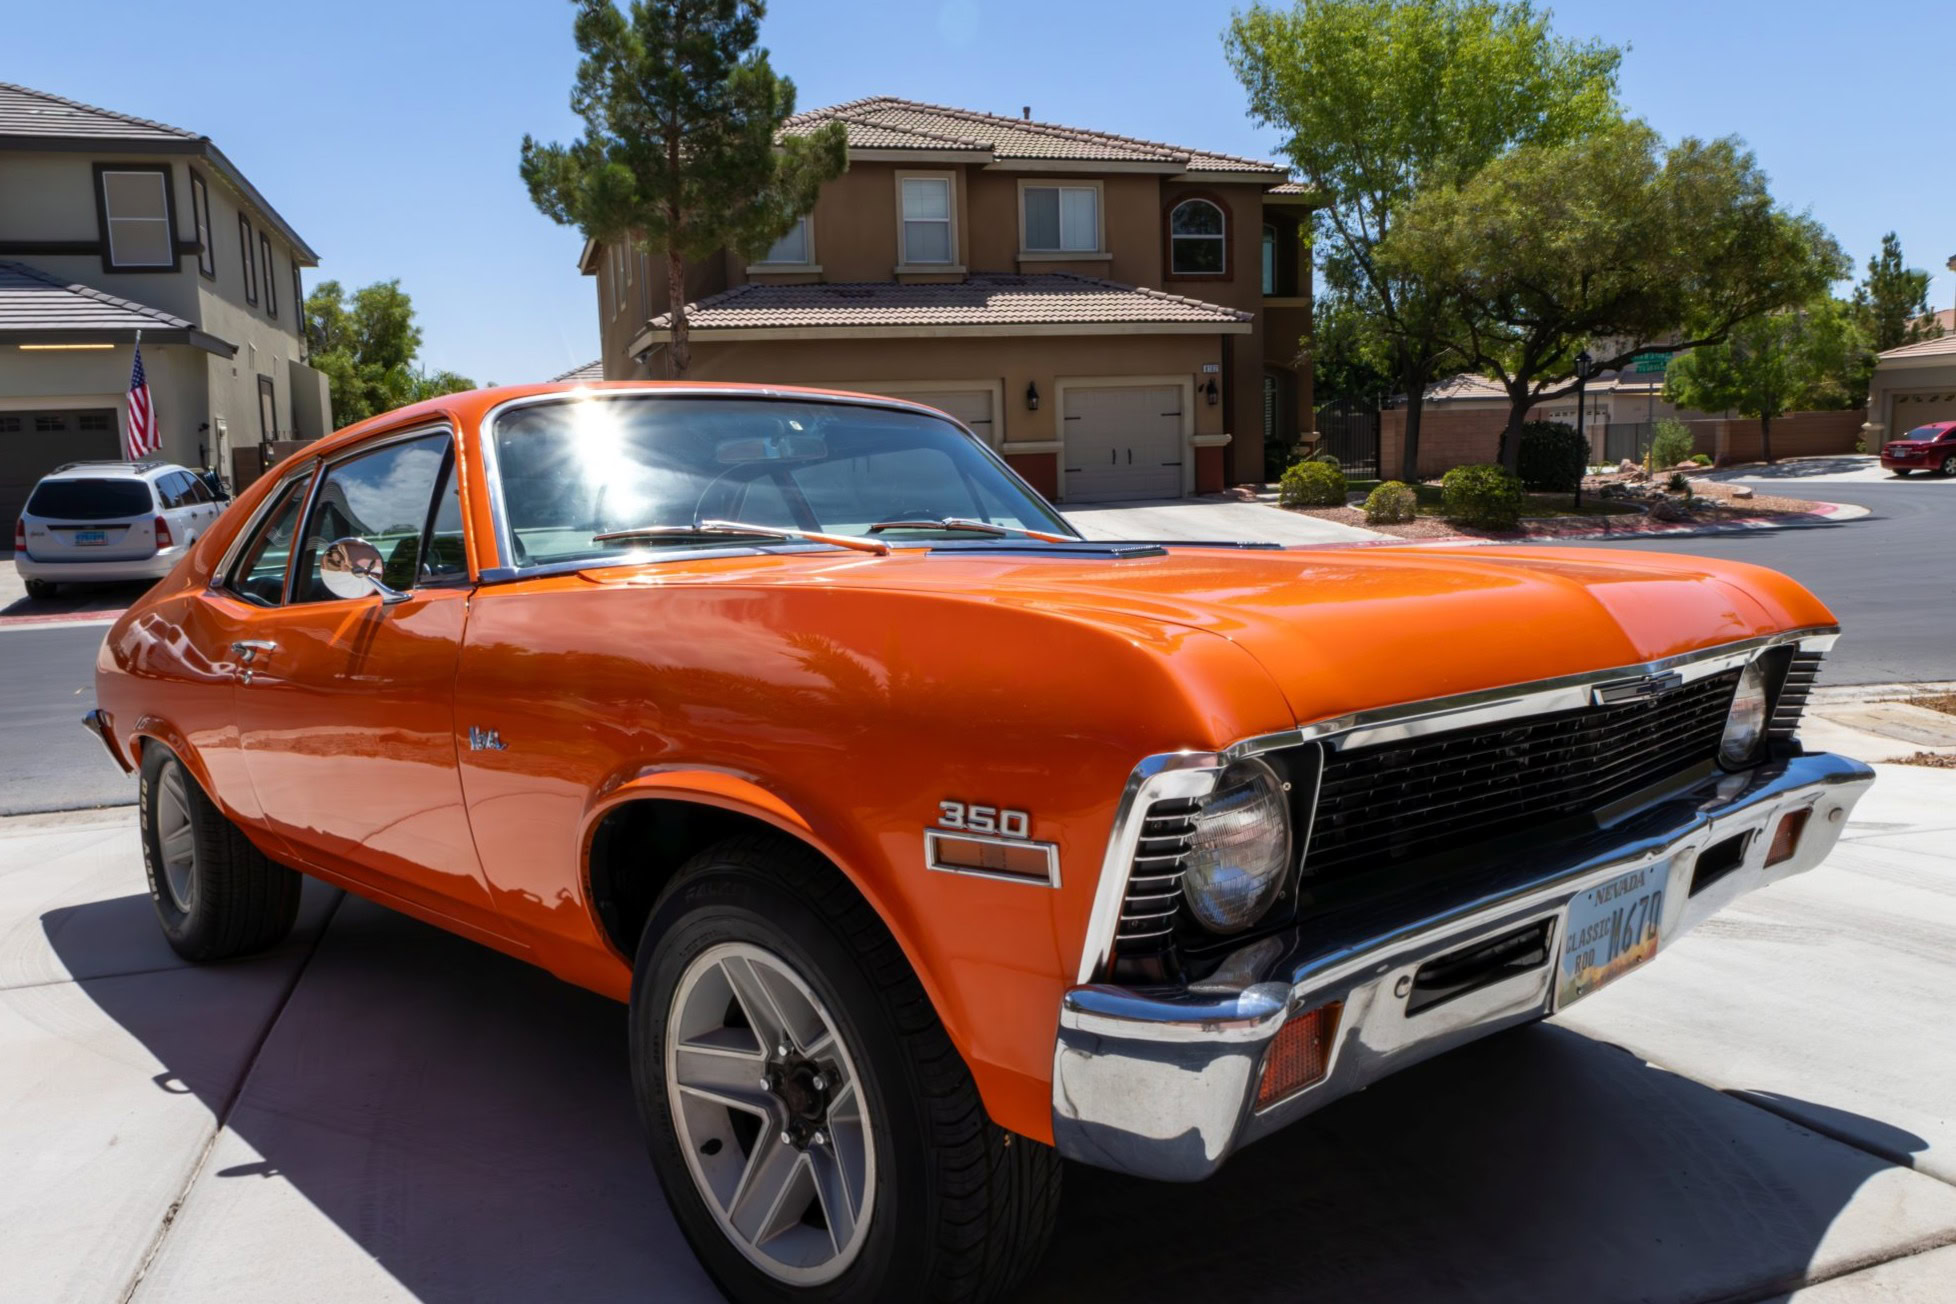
(929, 842)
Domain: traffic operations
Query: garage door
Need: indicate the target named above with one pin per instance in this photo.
(971, 406)
(34, 443)
(1122, 442)
(1912, 410)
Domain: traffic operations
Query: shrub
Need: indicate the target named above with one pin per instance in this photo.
(1390, 504)
(1670, 444)
(1312, 484)
(1486, 497)
(1553, 457)
(1702, 459)
(1679, 483)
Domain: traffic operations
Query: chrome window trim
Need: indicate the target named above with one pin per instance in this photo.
(1193, 773)
(506, 569)
(353, 452)
(221, 573)
(1051, 850)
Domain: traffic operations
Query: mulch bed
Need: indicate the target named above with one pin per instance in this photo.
(1936, 702)
(1933, 760)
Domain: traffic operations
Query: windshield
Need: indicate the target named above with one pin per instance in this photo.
(574, 470)
(90, 500)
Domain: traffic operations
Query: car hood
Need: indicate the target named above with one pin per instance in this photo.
(1350, 629)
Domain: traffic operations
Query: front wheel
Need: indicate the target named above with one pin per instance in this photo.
(816, 1132)
(1949, 464)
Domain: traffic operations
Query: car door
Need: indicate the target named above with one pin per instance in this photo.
(346, 709)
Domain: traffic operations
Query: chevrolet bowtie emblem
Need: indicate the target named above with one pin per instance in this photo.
(1635, 690)
(486, 740)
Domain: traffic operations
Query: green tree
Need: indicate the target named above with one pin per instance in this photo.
(680, 154)
(1554, 248)
(366, 343)
(1893, 301)
(1380, 99)
(1350, 359)
(1785, 361)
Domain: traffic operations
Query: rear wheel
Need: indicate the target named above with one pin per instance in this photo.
(41, 590)
(1949, 464)
(816, 1132)
(215, 894)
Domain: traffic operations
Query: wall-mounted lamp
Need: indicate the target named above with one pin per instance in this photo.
(1032, 397)
(1210, 393)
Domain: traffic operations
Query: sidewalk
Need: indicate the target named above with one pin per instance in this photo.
(381, 1111)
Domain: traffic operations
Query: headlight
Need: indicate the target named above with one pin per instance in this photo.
(1240, 849)
(1746, 725)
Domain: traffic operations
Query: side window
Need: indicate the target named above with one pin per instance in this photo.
(383, 497)
(199, 493)
(448, 554)
(259, 574)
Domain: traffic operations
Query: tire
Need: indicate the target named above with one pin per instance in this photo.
(1900, 474)
(41, 590)
(1949, 464)
(215, 894)
(954, 1208)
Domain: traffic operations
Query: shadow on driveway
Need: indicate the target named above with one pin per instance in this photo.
(467, 1122)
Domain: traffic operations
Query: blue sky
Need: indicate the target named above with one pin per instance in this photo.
(387, 133)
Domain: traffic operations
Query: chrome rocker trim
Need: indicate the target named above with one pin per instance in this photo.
(1163, 1084)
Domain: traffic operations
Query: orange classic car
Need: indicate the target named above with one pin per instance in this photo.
(930, 842)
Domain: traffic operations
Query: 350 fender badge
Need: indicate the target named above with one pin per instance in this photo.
(967, 818)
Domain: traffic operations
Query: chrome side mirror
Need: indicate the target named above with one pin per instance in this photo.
(351, 568)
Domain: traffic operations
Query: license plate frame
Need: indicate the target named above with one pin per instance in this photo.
(1611, 928)
(91, 538)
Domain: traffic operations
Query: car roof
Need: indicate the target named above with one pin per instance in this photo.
(111, 470)
(472, 405)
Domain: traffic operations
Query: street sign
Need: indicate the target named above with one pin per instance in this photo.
(1646, 363)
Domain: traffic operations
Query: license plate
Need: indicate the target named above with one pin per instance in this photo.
(91, 536)
(1613, 927)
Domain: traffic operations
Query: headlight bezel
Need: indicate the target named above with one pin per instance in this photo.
(1751, 706)
(1215, 896)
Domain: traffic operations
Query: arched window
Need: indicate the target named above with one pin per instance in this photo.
(1196, 239)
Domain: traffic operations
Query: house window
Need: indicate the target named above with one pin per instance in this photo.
(267, 409)
(250, 264)
(1195, 239)
(271, 285)
(200, 213)
(136, 218)
(1061, 219)
(792, 248)
(298, 298)
(1269, 260)
(927, 220)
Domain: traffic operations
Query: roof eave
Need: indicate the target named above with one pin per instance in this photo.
(1220, 176)
(1158, 167)
(921, 154)
(158, 334)
(653, 335)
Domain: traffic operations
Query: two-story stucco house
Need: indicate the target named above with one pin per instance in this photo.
(1119, 317)
(110, 225)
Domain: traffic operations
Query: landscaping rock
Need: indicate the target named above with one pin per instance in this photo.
(1741, 491)
(1667, 509)
(1627, 467)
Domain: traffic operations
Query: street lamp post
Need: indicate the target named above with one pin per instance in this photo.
(1583, 363)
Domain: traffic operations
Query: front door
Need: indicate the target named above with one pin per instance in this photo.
(346, 706)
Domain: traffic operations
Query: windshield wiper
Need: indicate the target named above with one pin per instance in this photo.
(700, 528)
(975, 527)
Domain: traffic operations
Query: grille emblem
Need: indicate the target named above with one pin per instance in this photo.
(1635, 690)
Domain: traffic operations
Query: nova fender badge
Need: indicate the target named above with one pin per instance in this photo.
(486, 740)
(1635, 690)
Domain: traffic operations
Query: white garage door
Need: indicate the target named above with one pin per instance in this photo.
(1122, 442)
(1912, 410)
(971, 406)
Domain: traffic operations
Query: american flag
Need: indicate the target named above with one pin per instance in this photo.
(144, 438)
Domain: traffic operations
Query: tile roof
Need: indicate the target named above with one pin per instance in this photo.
(1054, 299)
(1942, 344)
(886, 122)
(28, 112)
(592, 370)
(32, 302)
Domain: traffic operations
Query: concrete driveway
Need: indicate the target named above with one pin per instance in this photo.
(1190, 520)
(380, 1111)
(1795, 474)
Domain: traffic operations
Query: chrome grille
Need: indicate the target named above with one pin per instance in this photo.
(1397, 801)
(1154, 885)
(1793, 694)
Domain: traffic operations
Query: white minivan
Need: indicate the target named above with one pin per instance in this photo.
(96, 522)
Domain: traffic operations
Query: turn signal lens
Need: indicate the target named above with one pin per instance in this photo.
(1786, 839)
(1299, 1054)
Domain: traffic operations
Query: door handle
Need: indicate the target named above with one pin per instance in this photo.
(249, 648)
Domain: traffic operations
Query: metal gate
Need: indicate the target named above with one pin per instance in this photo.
(1350, 432)
(1629, 439)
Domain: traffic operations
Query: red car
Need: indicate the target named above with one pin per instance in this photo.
(1925, 448)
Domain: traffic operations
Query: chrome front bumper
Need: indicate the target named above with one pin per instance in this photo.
(1163, 1084)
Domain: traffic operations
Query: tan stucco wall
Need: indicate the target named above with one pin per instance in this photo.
(1890, 380)
(99, 378)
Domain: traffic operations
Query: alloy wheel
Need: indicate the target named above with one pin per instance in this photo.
(1949, 464)
(176, 841)
(769, 1112)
